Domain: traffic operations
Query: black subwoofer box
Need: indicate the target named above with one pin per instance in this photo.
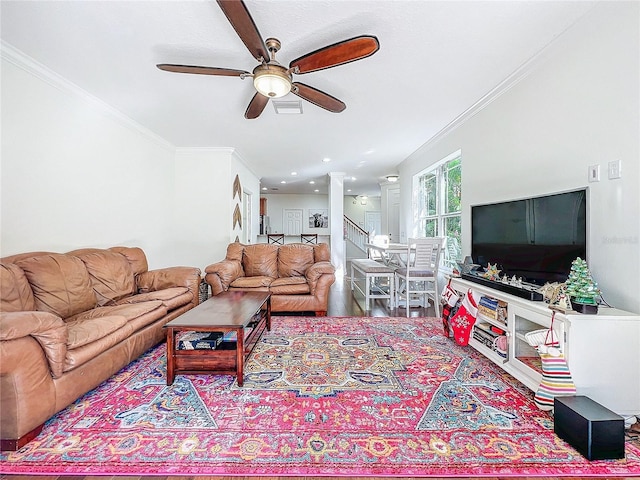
(592, 429)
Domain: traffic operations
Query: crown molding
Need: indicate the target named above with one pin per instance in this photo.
(186, 150)
(232, 152)
(24, 62)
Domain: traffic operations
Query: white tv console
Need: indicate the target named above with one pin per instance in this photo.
(602, 351)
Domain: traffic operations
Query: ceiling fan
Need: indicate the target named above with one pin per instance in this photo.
(270, 78)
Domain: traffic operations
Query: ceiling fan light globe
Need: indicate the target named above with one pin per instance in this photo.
(272, 83)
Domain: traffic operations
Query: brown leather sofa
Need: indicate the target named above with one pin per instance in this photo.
(298, 275)
(70, 321)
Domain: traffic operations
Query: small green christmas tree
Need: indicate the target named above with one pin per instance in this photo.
(580, 285)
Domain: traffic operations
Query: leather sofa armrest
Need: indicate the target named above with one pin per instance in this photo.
(221, 274)
(154, 280)
(316, 271)
(48, 329)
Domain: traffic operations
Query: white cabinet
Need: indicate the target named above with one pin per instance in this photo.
(602, 351)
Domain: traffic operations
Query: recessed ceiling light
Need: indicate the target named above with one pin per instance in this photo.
(353, 179)
(283, 181)
(312, 182)
(348, 190)
(294, 174)
(316, 190)
(264, 188)
(392, 178)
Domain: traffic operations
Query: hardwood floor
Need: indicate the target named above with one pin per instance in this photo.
(341, 303)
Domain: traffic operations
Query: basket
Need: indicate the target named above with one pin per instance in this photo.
(543, 336)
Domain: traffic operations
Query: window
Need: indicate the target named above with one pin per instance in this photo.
(439, 194)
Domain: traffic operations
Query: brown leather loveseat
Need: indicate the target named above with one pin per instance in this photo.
(297, 275)
(70, 321)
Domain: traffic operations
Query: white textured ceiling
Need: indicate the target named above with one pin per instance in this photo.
(436, 59)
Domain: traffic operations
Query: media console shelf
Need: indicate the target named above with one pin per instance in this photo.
(602, 351)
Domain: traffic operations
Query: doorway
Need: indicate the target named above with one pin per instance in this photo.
(393, 214)
(373, 223)
(246, 215)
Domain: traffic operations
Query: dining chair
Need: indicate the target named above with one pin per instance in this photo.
(419, 278)
(308, 238)
(277, 238)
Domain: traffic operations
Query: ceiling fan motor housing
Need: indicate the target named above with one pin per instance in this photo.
(272, 80)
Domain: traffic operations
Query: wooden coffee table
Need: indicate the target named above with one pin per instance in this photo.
(226, 312)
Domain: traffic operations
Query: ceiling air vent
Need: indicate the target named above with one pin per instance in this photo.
(287, 107)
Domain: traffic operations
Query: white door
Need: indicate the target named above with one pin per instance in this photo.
(373, 223)
(393, 214)
(292, 221)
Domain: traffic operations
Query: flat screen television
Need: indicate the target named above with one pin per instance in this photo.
(533, 238)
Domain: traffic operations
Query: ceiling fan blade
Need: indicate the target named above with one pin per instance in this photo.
(225, 72)
(339, 53)
(318, 97)
(240, 19)
(256, 106)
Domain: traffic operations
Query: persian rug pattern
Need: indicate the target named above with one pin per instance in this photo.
(319, 364)
(322, 396)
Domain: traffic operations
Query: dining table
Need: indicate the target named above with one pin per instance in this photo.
(392, 254)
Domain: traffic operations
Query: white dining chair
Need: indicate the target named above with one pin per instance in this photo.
(419, 278)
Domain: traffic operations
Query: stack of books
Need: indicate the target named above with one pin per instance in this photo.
(492, 309)
(199, 340)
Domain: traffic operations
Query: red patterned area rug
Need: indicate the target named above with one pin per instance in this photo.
(322, 397)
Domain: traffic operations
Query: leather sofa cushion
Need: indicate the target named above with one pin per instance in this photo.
(235, 251)
(294, 259)
(171, 298)
(15, 291)
(260, 260)
(111, 275)
(84, 331)
(279, 282)
(289, 286)
(138, 315)
(81, 355)
(252, 282)
(321, 252)
(135, 256)
(60, 283)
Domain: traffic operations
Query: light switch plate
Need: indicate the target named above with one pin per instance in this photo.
(615, 169)
(594, 173)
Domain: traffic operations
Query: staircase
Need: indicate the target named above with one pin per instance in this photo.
(356, 235)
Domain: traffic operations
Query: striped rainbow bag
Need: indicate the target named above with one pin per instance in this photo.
(556, 377)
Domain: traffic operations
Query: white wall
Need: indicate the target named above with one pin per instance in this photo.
(204, 189)
(576, 105)
(76, 173)
(205, 218)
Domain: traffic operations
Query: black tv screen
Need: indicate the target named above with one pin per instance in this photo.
(534, 238)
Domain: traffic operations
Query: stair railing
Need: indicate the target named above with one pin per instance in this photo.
(355, 234)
